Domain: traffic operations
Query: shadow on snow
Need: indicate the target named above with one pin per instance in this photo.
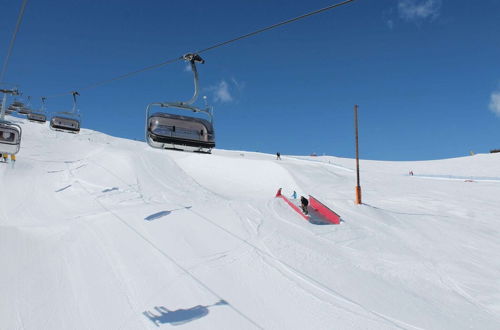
(160, 214)
(179, 316)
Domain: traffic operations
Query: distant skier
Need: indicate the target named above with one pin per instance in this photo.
(411, 173)
(278, 156)
(304, 203)
(5, 156)
(294, 195)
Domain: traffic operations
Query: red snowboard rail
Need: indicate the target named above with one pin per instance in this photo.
(324, 210)
(292, 205)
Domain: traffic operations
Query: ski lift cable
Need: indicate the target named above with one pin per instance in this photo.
(220, 44)
(123, 76)
(13, 40)
(274, 26)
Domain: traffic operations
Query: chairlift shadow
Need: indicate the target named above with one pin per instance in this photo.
(161, 214)
(180, 316)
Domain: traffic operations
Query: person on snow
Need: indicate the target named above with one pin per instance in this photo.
(4, 156)
(278, 156)
(304, 203)
(294, 195)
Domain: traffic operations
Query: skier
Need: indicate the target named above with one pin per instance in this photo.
(278, 156)
(304, 202)
(294, 195)
(4, 156)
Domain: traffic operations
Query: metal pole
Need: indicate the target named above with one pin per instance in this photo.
(358, 187)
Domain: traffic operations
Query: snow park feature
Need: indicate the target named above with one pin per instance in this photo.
(318, 212)
(324, 211)
(292, 205)
(98, 232)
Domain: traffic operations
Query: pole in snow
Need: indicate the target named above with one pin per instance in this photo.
(358, 187)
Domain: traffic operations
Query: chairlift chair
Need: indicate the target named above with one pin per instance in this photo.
(24, 110)
(38, 117)
(17, 104)
(10, 137)
(170, 131)
(10, 109)
(68, 122)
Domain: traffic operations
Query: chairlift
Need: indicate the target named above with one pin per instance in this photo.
(68, 122)
(10, 137)
(10, 109)
(17, 104)
(171, 131)
(38, 117)
(25, 109)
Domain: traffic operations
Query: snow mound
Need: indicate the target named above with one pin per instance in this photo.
(98, 232)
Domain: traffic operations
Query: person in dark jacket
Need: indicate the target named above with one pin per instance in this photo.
(304, 203)
(278, 156)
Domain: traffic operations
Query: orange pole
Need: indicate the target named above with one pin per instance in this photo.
(358, 187)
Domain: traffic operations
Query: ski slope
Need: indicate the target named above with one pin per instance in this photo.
(98, 232)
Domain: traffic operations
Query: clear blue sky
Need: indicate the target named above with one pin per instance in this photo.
(425, 73)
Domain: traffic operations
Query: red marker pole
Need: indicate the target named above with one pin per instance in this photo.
(358, 187)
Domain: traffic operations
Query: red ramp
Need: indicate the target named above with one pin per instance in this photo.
(292, 205)
(324, 210)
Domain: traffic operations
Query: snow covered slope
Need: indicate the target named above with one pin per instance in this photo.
(98, 232)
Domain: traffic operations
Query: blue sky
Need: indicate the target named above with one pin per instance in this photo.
(425, 73)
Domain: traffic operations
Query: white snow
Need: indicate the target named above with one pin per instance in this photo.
(98, 232)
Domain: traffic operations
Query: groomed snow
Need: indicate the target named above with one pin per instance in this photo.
(98, 232)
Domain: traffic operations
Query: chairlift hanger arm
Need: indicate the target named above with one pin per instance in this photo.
(193, 58)
(74, 93)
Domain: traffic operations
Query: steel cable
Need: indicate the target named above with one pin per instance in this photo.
(220, 44)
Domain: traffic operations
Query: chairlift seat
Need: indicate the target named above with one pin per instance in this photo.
(180, 130)
(37, 117)
(24, 111)
(10, 138)
(65, 124)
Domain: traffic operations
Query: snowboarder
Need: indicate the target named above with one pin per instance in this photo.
(278, 156)
(304, 202)
(294, 195)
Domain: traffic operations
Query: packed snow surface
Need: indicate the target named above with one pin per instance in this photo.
(98, 232)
